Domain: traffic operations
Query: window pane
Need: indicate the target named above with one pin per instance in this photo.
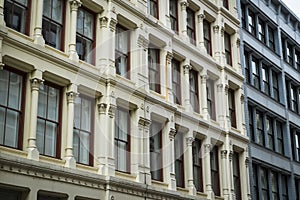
(122, 156)
(80, 21)
(4, 76)
(88, 25)
(2, 118)
(11, 132)
(76, 144)
(84, 147)
(40, 134)
(50, 142)
(57, 10)
(15, 89)
(53, 103)
(47, 8)
(42, 101)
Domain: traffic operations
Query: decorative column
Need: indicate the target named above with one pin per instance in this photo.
(225, 175)
(200, 31)
(221, 105)
(101, 150)
(74, 5)
(246, 186)
(142, 63)
(238, 56)
(38, 37)
(189, 166)
(186, 92)
(36, 80)
(216, 43)
(204, 96)
(169, 160)
(226, 107)
(222, 47)
(207, 171)
(183, 19)
(170, 96)
(71, 95)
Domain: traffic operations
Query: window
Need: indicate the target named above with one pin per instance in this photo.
(247, 71)
(122, 140)
(85, 35)
(197, 165)
(260, 128)
(284, 186)
(275, 85)
(176, 84)
(289, 54)
(243, 15)
(122, 55)
(153, 7)
(297, 60)
(264, 184)
(271, 38)
(251, 21)
(174, 15)
(48, 120)
(83, 130)
(274, 182)
(255, 194)
(251, 128)
(261, 30)
(231, 103)
(194, 89)
(154, 69)
(236, 176)
(297, 146)
(297, 189)
(280, 142)
(17, 15)
(227, 42)
(255, 73)
(191, 25)
(214, 164)
(293, 96)
(179, 160)
(269, 127)
(265, 77)
(225, 4)
(45, 195)
(12, 93)
(207, 36)
(210, 90)
(11, 194)
(156, 151)
(53, 19)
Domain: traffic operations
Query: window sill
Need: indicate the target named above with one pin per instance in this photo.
(52, 160)
(86, 168)
(125, 175)
(159, 184)
(13, 151)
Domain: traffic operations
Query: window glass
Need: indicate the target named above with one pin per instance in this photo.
(156, 151)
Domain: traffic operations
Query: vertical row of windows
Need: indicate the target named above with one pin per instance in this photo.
(293, 95)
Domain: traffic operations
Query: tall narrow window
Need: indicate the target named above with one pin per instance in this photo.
(247, 71)
(251, 21)
(269, 127)
(207, 36)
(261, 30)
(289, 54)
(83, 130)
(191, 25)
(174, 15)
(280, 142)
(271, 38)
(122, 56)
(85, 35)
(154, 69)
(52, 28)
(156, 151)
(297, 60)
(227, 43)
(236, 176)
(274, 182)
(264, 183)
(251, 128)
(194, 90)
(17, 15)
(275, 85)
(12, 103)
(226, 4)
(197, 165)
(260, 128)
(284, 186)
(153, 8)
(48, 120)
(176, 84)
(255, 182)
(293, 95)
(255, 73)
(231, 103)
(243, 15)
(122, 140)
(210, 90)
(297, 146)
(179, 160)
(214, 164)
(265, 77)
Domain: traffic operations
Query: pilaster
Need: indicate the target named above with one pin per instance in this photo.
(169, 151)
(142, 62)
(204, 96)
(186, 92)
(38, 37)
(217, 48)
(2, 22)
(170, 96)
(189, 167)
(207, 170)
(225, 174)
(183, 4)
(200, 31)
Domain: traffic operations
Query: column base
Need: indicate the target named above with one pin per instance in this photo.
(192, 189)
(70, 162)
(74, 56)
(172, 182)
(210, 195)
(39, 40)
(33, 154)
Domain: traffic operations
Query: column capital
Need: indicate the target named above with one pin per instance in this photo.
(71, 95)
(207, 148)
(143, 42)
(220, 87)
(203, 79)
(201, 17)
(103, 22)
(242, 98)
(230, 155)
(172, 133)
(216, 28)
(186, 68)
(189, 141)
(169, 57)
(226, 89)
(224, 154)
(35, 83)
(183, 5)
(144, 122)
(247, 162)
(75, 4)
(238, 42)
(102, 108)
(111, 110)
(222, 31)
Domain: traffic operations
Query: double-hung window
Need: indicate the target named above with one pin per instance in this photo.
(293, 95)
(280, 142)
(83, 130)
(85, 38)
(17, 15)
(12, 89)
(251, 125)
(265, 79)
(255, 73)
(247, 70)
(271, 38)
(251, 22)
(289, 54)
(48, 120)
(153, 8)
(260, 128)
(297, 146)
(210, 90)
(284, 186)
(122, 140)
(231, 103)
(122, 56)
(156, 156)
(261, 30)
(193, 77)
(227, 42)
(214, 164)
(154, 69)
(270, 132)
(53, 19)
(176, 83)
(207, 36)
(191, 28)
(179, 159)
(275, 85)
(197, 165)
(236, 176)
(174, 15)
(264, 183)
(274, 182)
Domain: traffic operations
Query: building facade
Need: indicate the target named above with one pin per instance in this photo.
(271, 51)
(130, 99)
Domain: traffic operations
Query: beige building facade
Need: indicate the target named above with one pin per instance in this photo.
(128, 99)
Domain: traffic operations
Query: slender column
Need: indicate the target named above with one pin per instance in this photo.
(74, 5)
(146, 153)
(221, 105)
(222, 47)
(182, 19)
(169, 76)
(225, 174)
(200, 31)
(189, 167)
(243, 123)
(207, 171)
(169, 161)
(217, 43)
(36, 80)
(186, 92)
(69, 157)
(246, 190)
(38, 37)
(142, 65)
(101, 150)
(238, 56)
(204, 96)
(228, 120)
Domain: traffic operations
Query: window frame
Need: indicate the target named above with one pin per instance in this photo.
(207, 39)
(179, 160)
(251, 23)
(157, 84)
(275, 85)
(280, 137)
(274, 187)
(270, 132)
(236, 175)
(231, 107)
(176, 92)
(154, 13)
(264, 189)
(211, 101)
(226, 4)
(262, 32)
(197, 164)
(228, 50)
(215, 171)
(271, 37)
(160, 152)
(191, 27)
(174, 17)
(260, 130)
(194, 74)
(265, 79)
(255, 73)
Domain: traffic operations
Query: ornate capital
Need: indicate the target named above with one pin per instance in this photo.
(75, 4)
(102, 108)
(238, 42)
(222, 31)
(242, 98)
(172, 133)
(111, 110)
(223, 154)
(186, 68)
(71, 95)
(113, 24)
(35, 84)
(103, 22)
(189, 141)
(247, 162)
(216, 28)
(201, 17)
(183, 5)
(203, 79)
(142, 42)
(169, 57)
(207, 148)
(226, 89)
(144, 122)
(220, 87)
(230, 155)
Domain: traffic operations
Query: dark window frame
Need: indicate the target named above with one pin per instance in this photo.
(260, 128)
(266, 79)
(211, 100)
(270, 132)
(280, 139)
(154, 13)
(177, 90)
(179, 161)
(262, 32)
(174, 16)
(156, 68)
(275, 84)
(271, 38)
(255, 73)
(197, 165)
(236, 175)
(232, 110)
(226, 4)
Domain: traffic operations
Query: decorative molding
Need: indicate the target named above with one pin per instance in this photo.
(216, 28)
(220, 87)
(35, 84)
(238, 42)
(189, 141)
(187, 68)
(247, 162)
(226, 89)
(242, 98)
(184, 5)
(102, 108)
(169, 57)
(172, 133)
(143, 42)
(71, 95)
(207, 148)
(103, 22)
(144, 122)
(201, 17)
(113, 24)
(223, 154)
(203, 79)
(230, 155)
